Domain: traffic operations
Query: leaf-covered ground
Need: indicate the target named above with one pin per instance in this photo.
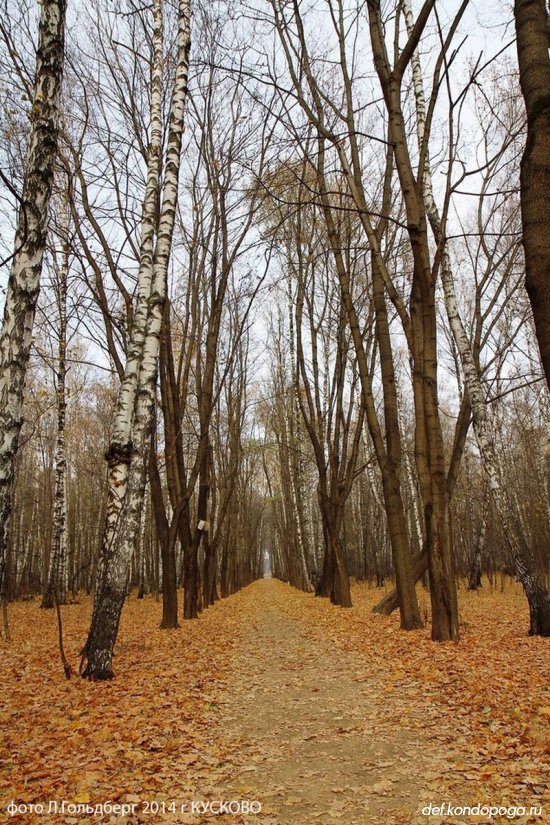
(322, 715)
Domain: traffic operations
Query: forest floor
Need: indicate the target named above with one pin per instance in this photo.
(320, 714)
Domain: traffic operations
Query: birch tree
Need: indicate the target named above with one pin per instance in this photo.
(127, 452)
(30, 241)
(280, 469)
(56, 587)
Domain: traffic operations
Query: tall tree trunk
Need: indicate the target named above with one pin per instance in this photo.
(532, 38)
(295, 454)
(111, 577)
(429, 448)
(408, 604)
(167, 548)
(56, 588)
(290, 425)
(140, 551)
(389, 602)
(30, 242)
(121, 446)
(335, 575)
(429, 451)
(474, 573)
(175, 469)
(137, 396)
(209, 594)
(526, 567)
(192, 596)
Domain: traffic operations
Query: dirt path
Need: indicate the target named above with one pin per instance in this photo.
(322, 715)
(319, 737)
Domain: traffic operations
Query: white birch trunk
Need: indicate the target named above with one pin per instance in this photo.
(146, 394)
(128, 462)
(64, 555)
(416, 504)
(30, 241)
(18, 549)
(293, 515)
(56, 587)
(474, 576)
(526, 569)
(295, 442)
(142, 567)
(121, 447)
(25, 544)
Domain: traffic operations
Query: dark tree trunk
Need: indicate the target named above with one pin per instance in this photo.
(192, 602)
(390, 601)
(535, 590)
(539, 610)
(531, 17)
(340, 592)
(334, 579)
(210, 593)
(325, 579)
(169, 585)
(98, 651)
(474, 577)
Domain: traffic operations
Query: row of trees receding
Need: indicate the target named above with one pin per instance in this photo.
(296, 327)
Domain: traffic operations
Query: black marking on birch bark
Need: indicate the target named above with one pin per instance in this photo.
(119, 454)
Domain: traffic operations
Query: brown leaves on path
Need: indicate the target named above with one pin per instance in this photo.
(463, 723)
(322, 714)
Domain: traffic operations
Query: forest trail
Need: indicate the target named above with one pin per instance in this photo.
(321, 714)
(320, 737)
(336, 716)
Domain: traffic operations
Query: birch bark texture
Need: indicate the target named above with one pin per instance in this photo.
(30, 241)
(128, 451)
(56, 587)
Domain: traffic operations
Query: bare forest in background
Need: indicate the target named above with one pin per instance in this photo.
(265, 305)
